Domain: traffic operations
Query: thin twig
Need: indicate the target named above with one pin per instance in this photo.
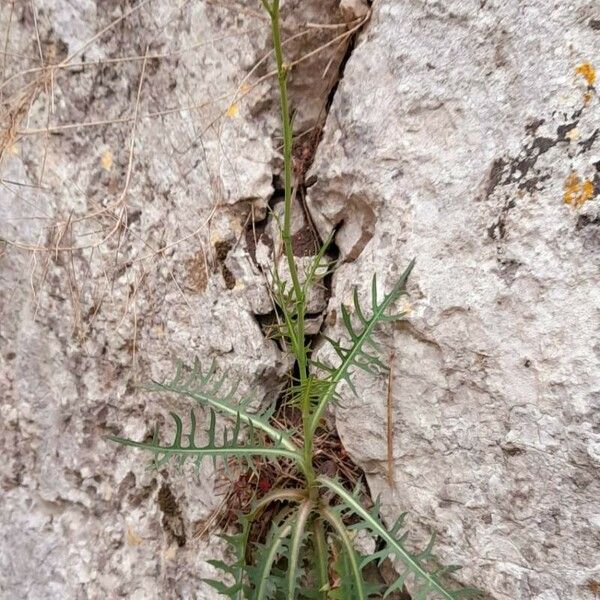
(5, 52)
(390, 425)
(121, 59)
(193, 107)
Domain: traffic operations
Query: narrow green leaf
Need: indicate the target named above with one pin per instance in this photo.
(227, 590)
(192, 434)
(373, 524)
(348, 323)
(342, 372)
(357, 307)
(268, 557)
(374, 292)
(468, 592)
(207, 451)
(349, 552)
(426, 553)
(178, 429)
(295, 545)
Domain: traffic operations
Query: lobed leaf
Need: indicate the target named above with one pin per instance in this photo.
(361, 337)
(415, 563)
(232, 445)
(212, 391)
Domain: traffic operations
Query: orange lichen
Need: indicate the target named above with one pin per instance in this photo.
(577, 192)
(587, 71)
(587, 190)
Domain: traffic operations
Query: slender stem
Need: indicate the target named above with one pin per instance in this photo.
(299, 295)
(282, 73)
(349, 551)
(321, 557)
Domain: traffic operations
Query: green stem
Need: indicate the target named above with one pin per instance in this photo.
(299, 296)
(321, 557)
(349, 551)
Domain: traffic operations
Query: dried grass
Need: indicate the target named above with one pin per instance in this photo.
(108, 225)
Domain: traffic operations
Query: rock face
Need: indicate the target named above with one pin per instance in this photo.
(127, 188)
(465, 134)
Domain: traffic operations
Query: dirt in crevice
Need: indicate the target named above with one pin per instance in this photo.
(222, 249)
(256, 228)
(307, 241)
(172, 521)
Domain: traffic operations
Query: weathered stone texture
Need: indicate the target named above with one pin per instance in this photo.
(465, 134)
(133, 265)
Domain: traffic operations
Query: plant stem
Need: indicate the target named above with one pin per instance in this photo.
(300, 350)
(321, 556)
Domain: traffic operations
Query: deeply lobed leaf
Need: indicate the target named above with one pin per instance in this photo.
(427, 580)
(362, 350)
(232, 445)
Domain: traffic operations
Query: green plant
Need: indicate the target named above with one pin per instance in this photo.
(308, 551)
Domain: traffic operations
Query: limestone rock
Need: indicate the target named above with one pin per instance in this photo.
(127, 186)
(465, 134)
(354, 9)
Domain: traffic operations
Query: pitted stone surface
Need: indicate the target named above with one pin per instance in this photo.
(132, 268)
(465, 134)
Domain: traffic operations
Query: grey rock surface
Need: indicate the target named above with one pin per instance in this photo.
(465, 134)
(127, 186)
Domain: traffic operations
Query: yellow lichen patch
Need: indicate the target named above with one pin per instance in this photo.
(106, 160)
(232, 111)
(577, 192)
(587, 71)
